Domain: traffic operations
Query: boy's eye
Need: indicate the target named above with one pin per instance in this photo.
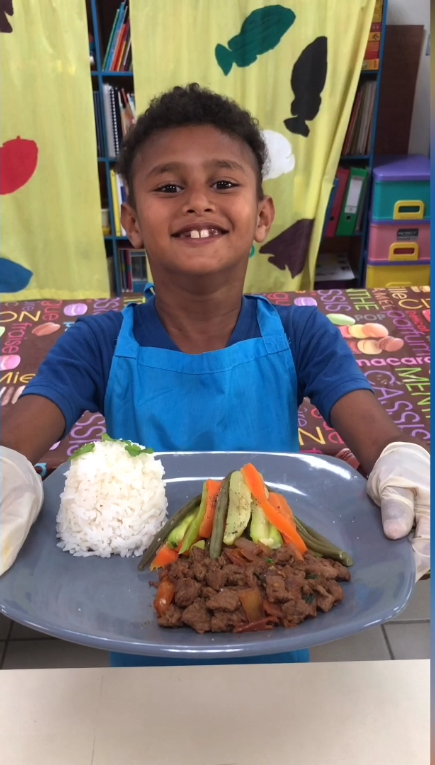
(169, 188)
(223, 185)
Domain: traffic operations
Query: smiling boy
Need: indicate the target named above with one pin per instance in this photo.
(201, 367)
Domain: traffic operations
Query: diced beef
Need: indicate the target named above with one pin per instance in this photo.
(272, 609)
(179, 569)
(250, 577)
(217, 578)
(322, 567)
(225, 600)
(276, 589)
(328, 593)
(283, 555)
(207, 592)
(186, 591)
(197, 617)
(342, 571)
(207, 596)
(172, 617)
(235, 575)
(260, 566)
(225, 621)
(295, 611)
(293, 573)
(199, 571)
(196, 555)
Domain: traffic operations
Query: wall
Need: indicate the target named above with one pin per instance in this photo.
(417, 12)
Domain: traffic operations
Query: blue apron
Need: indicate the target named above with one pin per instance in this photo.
(241, 398)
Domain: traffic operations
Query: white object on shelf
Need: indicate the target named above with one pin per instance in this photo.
(333, 267)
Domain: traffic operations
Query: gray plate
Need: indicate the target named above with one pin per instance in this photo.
(107, 603)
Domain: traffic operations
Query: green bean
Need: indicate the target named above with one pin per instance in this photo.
(316, 543)
(217, 535)
(163, 534)
(343, 556)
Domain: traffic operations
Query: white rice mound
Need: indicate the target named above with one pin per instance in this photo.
(112, 504)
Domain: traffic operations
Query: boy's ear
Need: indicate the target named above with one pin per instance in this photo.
(265, 218)
(130, 224)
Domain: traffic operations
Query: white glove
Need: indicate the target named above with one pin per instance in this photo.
(21, 501)
(400, 484)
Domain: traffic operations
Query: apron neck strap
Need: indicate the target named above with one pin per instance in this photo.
(149, 291)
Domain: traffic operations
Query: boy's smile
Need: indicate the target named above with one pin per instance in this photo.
(197, 207)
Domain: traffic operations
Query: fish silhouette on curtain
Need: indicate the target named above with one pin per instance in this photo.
(260, 33)
(6, 9)
(307, 82)
(290, 248)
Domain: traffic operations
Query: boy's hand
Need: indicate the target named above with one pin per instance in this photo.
(400, 484)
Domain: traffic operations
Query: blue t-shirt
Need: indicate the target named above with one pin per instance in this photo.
(76, 372)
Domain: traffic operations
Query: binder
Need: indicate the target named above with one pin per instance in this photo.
(329, 208)
(342, 179)
(116, 204)
(353, 197)
(122, 199)
(108, 120)
(116, 120)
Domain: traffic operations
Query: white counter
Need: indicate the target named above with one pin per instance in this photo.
(365, 713)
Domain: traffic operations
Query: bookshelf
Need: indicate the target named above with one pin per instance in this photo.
(101, 14)
(355, 246)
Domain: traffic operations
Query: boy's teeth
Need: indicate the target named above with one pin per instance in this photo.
(204, 233)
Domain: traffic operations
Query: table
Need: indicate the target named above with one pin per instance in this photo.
(361, 713)
(396, 366)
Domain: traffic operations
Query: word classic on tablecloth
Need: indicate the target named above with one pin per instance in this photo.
(388, 331)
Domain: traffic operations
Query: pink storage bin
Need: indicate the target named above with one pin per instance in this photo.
(399, 242)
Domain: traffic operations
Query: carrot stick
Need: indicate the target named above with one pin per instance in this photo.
(165, 556)
(213, 489)
(278, 518)
(280, 503)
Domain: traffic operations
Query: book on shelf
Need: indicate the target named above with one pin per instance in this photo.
(119, 116)
(132, 267)
(359, 132)
(119, 197)
(98, 123)
(372, 52)
(118, 56)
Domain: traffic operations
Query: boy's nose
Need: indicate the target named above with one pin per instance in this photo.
(198, 202)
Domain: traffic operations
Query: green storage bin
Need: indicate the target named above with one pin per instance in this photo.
(402, 189)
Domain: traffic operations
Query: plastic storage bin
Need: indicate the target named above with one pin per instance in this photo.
(399, 242)
(402, 189)
(393, 275)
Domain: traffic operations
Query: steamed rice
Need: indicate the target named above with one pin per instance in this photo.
(112, 504)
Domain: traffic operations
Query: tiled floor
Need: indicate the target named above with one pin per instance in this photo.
(407, 637)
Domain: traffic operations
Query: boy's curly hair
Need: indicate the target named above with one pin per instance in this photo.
(192, 105)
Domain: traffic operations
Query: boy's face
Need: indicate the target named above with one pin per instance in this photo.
(196, 210)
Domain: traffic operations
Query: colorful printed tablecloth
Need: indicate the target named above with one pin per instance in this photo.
(387, 330)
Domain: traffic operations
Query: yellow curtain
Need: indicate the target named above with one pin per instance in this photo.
(295, 65)
(51, 237)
